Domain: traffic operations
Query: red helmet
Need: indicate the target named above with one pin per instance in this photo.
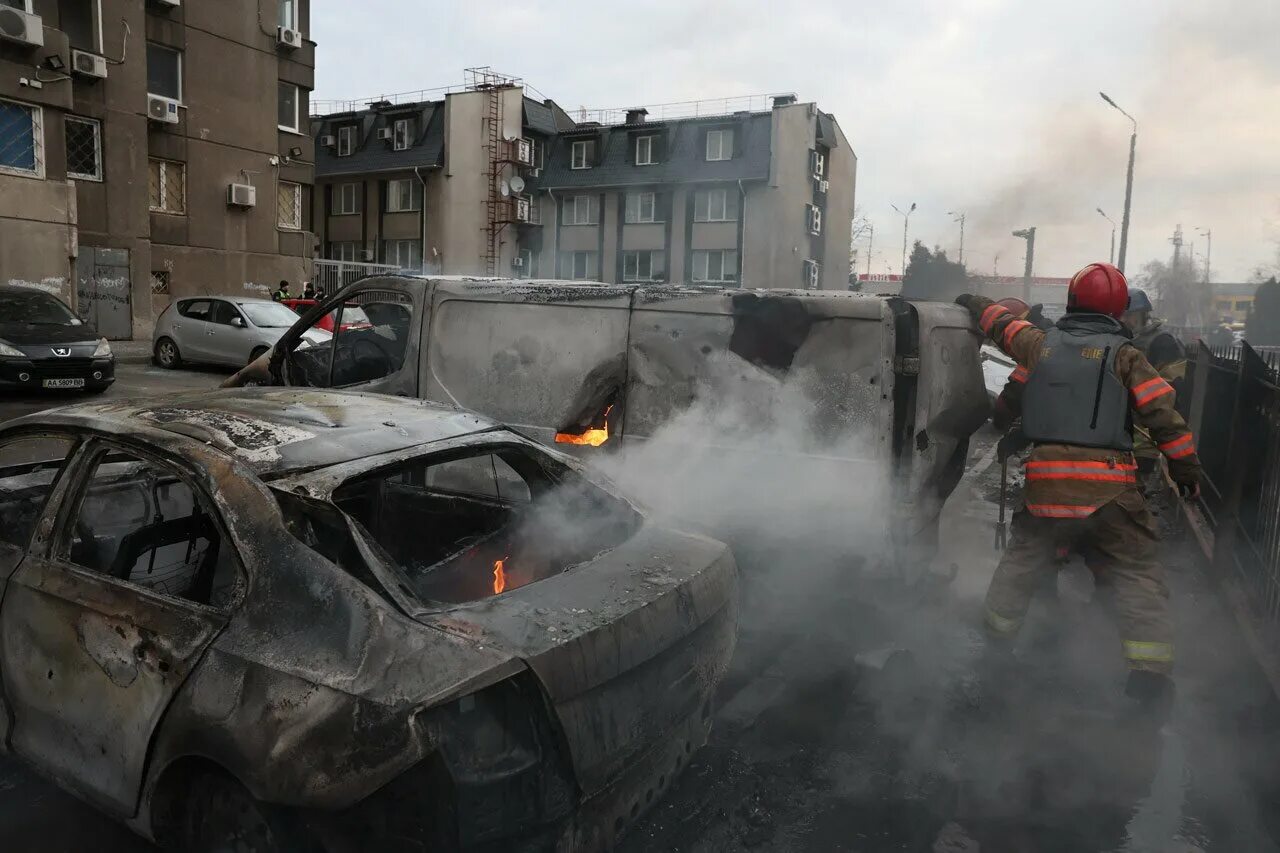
(1098, 289)
(1015, 306)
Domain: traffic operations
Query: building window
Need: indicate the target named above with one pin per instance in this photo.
(403, 134)
(289, 14)
(715, 205)
(645, 151)
(346, 140)
(581, 156)
(813, 218)
(343, 251)
(405, 254)
(346, 199)
(581, 210)
(20, 5)
(287, 107)
(640, 207)
(720, 145)
(84, 148)
(289, 206)
(812, 275)
(21, 139)
(643, 266)
(79, 20)
(579, 265)
(164, 71)
(524, 263)
(168, 186)
(715, 265)
(404, 194)
(160, 281)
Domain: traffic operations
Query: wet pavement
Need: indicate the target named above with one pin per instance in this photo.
(821, 744)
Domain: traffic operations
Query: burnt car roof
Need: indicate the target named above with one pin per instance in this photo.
(276, 430)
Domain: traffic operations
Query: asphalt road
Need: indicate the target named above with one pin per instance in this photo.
(816, 748)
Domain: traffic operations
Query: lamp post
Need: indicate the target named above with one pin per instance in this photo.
(1028, 234)
(1112, 257)
(1128, 182)
(959, 217)
(906, 217)
(1208, 255)
(871, 237)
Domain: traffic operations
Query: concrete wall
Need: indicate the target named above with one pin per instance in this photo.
(226, 133)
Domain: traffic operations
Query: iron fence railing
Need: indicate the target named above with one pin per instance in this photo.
(1232, 401)
(328, 275)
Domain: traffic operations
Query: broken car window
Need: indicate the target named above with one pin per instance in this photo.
(371, 349)
(28, 469)
(465, 527)
(140, 522)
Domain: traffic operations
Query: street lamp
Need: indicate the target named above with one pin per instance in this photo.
(1028, 234)
(959, 217)
(1112, 258)
(906, 217)
(1208, 255)
(1128, 182)
(871, 237)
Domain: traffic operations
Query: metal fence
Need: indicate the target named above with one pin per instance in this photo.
(328, 276)
(1232, 401)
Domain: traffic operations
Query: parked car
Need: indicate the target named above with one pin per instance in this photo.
(353, 316)
(272, 614)
(43, 344)
(222, 330)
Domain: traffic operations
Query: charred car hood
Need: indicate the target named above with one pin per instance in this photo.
(627, 646)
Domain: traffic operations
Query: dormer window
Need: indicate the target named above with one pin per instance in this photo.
(646, 150)
(402, 136)
(581, 154)
(346, 140)
(720, 144)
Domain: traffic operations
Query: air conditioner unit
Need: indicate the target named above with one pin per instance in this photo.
(162, 109)
(823, 186)
(22, 27)
(524, 152)
(286, 37)
(242, 195)
(385, 134)
(328, 141)
(517, 262)
(88, 64)
(523, 209)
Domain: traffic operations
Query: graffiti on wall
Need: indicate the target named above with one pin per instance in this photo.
(54, 284)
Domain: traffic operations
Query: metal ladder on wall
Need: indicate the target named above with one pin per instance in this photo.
(495, 202)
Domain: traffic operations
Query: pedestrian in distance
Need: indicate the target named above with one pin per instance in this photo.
(282, 292)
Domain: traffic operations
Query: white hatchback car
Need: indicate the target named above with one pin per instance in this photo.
(217, 330)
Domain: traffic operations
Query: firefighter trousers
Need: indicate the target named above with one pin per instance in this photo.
(1119, 541)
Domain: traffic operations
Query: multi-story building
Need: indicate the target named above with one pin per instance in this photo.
(487, 180)
(154, 148)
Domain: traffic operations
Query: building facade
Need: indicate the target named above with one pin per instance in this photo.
(489, 181)
(152, 149)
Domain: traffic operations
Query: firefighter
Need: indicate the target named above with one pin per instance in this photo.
(1009, 403)
(1167, 356)
(282, 292)
(1086, 383)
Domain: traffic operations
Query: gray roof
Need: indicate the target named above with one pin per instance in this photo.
(375, 155)
(538, 116)
(827, 131)
(684, 161)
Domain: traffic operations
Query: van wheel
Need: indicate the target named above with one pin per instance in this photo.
(220, 816)
(167, 355)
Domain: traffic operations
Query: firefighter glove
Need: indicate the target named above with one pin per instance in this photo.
(965, 300)
(1189, 491)
(1014, 442)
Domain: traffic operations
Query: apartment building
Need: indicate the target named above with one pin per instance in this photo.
(154, 148)
(488, 180)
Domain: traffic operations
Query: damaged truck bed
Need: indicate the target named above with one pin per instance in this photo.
(872, 389)
(262, 618)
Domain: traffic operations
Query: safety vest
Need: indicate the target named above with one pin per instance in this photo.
(1073, 395)
(1154, 330)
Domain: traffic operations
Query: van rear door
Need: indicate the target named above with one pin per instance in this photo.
(545, 358)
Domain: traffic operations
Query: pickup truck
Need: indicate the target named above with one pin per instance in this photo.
(882, 389)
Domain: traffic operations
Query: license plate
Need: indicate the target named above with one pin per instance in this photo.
(63, 383)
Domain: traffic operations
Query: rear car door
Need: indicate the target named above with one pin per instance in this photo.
(104, 620)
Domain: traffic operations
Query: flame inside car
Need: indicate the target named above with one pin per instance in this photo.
(594, 436)
(499, 575)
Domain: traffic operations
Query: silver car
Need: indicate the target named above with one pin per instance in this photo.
(214, 330)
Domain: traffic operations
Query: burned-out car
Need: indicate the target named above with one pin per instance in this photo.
(289, 619)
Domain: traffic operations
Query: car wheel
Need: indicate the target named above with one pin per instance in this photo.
(220, 816)
(257, 354)
(167, 355)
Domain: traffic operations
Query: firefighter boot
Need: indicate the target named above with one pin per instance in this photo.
(1153, 692)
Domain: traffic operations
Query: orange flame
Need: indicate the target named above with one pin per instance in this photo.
(499, 575)
(593, 437)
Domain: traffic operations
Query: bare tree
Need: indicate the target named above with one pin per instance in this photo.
(1179, 294)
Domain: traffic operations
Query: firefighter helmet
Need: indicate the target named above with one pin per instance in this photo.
(1099, 288)
(1015, 306)
(1139, 301)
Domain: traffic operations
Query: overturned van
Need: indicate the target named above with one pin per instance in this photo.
(817, 394)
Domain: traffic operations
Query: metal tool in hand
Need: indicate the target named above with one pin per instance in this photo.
(1001, 526)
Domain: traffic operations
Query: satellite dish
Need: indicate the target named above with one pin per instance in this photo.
(517, 184)
(504, 188)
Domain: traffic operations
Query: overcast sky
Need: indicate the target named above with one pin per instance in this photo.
(985, 106)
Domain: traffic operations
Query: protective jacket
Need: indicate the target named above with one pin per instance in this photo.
(1074, 396)
(1072, 480)
(1169, 358)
